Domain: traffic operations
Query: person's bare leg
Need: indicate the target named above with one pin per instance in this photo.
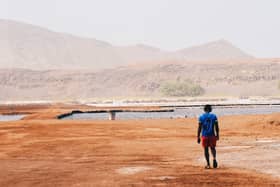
(213, 151)
(206, 154)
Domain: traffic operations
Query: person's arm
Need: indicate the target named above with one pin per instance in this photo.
(217, 130)
(199, 132)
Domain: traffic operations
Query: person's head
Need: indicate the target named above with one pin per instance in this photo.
(208, 108)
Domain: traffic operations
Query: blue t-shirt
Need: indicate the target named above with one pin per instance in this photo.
(207, 120)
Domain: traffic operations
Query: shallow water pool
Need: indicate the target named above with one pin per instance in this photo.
(178, 113)
(11, 117)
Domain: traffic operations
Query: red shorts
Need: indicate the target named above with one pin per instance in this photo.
(209, 141)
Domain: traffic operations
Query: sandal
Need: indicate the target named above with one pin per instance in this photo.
(207, 167)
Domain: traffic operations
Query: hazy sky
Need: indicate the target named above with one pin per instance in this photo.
(252, 25)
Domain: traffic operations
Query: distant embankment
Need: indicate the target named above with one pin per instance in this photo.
(158, 81)
(112, 112)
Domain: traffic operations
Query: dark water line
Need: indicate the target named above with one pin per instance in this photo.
(179, 113)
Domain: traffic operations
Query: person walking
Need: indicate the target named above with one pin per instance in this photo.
(208, 134)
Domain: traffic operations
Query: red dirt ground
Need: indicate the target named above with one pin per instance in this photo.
(40, 151)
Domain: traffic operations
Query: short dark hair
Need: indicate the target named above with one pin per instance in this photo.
(208, 108)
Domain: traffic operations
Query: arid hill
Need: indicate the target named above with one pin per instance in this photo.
(32, 47)
(232, 79)
(38, 64)
(217, 50)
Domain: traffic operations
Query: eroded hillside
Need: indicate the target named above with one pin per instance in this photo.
(242, 79)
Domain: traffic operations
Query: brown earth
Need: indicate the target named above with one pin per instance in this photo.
(50, 152)
(138, 82)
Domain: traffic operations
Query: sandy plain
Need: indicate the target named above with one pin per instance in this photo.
(40, 150)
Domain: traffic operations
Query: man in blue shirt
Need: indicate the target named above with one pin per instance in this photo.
(208, 125)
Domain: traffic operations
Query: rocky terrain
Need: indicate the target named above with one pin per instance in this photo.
(38, 64)
(241, 79)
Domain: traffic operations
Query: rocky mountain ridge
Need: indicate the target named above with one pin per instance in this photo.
(32, 47)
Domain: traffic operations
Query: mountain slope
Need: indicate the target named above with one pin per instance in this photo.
(217, 50)
(27, 46)
(141, 53)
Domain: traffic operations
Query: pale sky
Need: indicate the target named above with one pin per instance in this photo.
(252, 25)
